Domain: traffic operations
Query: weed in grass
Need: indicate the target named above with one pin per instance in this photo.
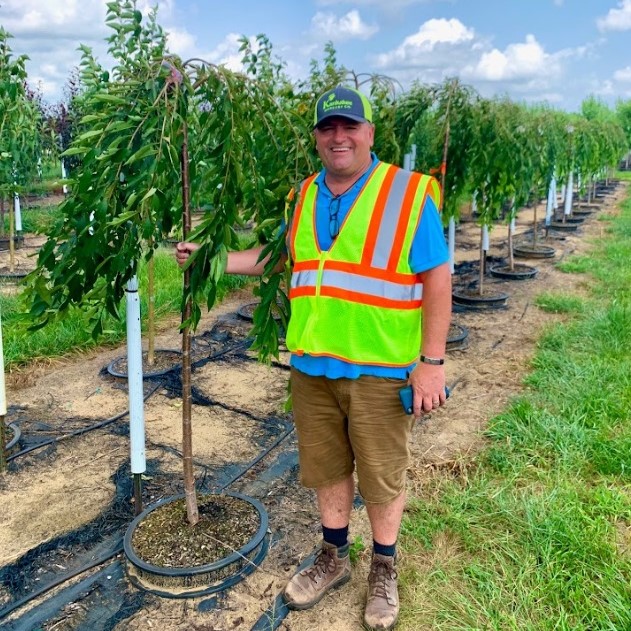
(575, 265)
(558, 303)
(356, 548)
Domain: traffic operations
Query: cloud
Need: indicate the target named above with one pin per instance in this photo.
(350, 26)
(415, 49)
(55, 19)
(617, 19)
(623, 75)
(520, 61)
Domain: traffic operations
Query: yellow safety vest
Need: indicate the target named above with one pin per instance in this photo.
(360, 301)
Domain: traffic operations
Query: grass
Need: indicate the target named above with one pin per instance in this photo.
(73, 333)
(535, 532)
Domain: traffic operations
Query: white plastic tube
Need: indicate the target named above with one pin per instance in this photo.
(407, 159)
(64, 175)
(485, 238)
(18, 213)
(413, 158)
(550, 202)
(134, 379)
(569, 193)
(452, 244)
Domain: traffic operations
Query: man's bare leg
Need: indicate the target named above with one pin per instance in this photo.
(335, 503)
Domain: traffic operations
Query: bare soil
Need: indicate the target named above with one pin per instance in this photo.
(68, 487)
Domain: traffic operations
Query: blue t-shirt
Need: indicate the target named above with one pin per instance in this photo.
(428, 250)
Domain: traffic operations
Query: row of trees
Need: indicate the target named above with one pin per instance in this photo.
(156, 136)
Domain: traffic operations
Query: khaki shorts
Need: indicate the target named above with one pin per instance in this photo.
(348, 423)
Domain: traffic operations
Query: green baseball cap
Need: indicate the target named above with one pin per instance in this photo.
(346, 102)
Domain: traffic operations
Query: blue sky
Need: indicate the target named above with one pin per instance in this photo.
(558, 51)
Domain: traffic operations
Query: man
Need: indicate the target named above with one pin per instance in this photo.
(370, 287)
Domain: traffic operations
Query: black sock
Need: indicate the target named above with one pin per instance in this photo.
(335, 536)
(387, 551)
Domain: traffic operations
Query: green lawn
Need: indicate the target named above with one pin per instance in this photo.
(535, 534)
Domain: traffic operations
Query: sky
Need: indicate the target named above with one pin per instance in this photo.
(557, 51)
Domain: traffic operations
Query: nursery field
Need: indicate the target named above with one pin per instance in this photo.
(66, 504)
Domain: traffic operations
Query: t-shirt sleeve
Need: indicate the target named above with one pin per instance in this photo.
(429, 248)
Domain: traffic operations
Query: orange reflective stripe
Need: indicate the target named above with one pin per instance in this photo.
(377, 214)
(404, 218)
(366, 299)
(345, 359)
(296, 292)
(303, 266)
(296, 217)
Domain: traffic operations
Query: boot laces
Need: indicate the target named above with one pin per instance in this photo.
(381, 572)
(323, 564)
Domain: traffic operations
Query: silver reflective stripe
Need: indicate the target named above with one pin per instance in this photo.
(372, 286)
(390, 219)
(304, 279)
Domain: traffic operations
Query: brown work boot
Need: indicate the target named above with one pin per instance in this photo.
(331, 568)
(382, 606)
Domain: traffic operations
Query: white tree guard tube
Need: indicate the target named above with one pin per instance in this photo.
(413, 158)
(452, 244)
(18, 213)
(550, 202)
(512, 225)
(485, 238)
(569, 192)
(407, 159)
(64, 175)
(134, 379)
(555, 201)
(3, 393)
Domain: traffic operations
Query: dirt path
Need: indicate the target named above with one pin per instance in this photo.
(71, 486)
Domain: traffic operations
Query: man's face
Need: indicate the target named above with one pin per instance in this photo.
(344, 145)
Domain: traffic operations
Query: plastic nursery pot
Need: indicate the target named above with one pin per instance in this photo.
(564, 226)
(18, 241)
(12, 277)
(473, 300)
(246, 311)
(14, 434)
(582, 212)
(519, 271)
(167, 520)
(456, 336)
(526, 250)
(164, 361)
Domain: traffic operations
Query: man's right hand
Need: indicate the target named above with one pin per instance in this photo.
(183, 250)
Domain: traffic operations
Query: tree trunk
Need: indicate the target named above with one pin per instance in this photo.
(482, 263)
(2, 213)
(535, 228)
(187, 433)
(151, 312)
(511, 257)
(3, 446)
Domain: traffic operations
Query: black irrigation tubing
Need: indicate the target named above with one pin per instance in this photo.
(118, 548)
(257, 459)
(8, 609)
(117, 417)
(79, 432)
